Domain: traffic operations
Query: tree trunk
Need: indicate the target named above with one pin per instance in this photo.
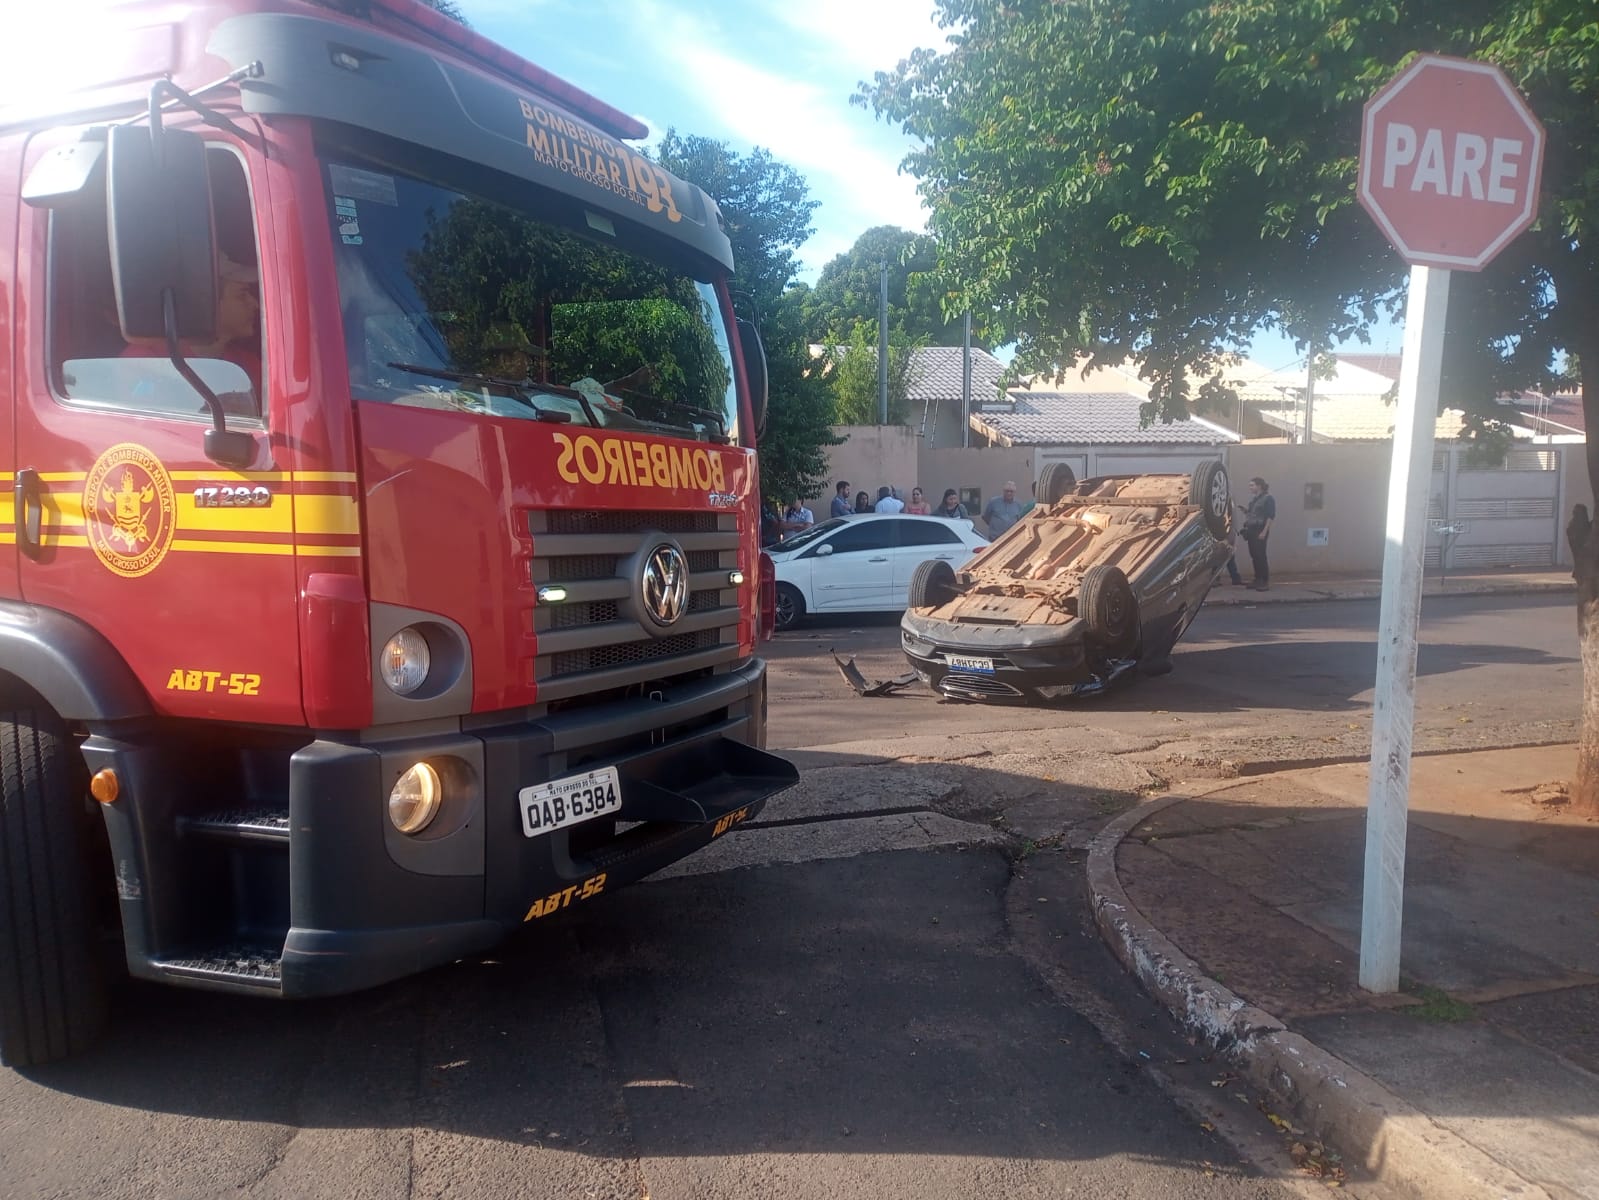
(1582, 534)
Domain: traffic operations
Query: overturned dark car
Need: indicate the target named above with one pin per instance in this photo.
(1101, 577)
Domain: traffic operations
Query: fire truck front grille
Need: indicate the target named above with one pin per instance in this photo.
(601, 658)
(571, 616)
(581, 520)
(598, 637)
(580, 566)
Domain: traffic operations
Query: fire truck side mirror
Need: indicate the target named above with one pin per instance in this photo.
(755, 371)
(158, 213)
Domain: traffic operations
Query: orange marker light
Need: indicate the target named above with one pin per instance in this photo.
(104, 787)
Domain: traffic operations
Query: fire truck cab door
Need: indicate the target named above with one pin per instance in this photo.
(185, 566)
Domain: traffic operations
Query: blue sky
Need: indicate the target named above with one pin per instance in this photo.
(771, 73)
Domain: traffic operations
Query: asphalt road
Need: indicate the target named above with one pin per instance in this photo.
(1252, 686)
(860, 1027)
(887, 986)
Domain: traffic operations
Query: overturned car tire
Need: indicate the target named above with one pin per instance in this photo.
(1106, 604)
(1210, 492)
(933, 584)
(1058, 482)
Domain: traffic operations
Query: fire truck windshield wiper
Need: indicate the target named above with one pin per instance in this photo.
(518, 388)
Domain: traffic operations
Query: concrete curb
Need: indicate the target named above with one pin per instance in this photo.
(1397, 1144)
(1222, 594)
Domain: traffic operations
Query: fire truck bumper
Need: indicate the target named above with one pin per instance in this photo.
(369, 904)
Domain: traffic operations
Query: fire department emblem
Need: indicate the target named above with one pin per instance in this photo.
(129, 510)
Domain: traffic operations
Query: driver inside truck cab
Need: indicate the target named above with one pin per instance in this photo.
(238, 335)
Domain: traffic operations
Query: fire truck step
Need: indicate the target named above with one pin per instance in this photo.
(241, 825)
(250, 968)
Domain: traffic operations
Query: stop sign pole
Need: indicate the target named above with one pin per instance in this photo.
(1450, 158)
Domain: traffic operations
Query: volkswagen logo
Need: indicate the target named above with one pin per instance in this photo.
(665, 585)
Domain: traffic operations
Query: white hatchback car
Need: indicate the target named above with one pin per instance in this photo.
(864, 563)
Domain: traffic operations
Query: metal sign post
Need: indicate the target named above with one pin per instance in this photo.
(1409, 483)
(1450, 157)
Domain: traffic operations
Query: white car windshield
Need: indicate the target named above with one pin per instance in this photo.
(810, 536)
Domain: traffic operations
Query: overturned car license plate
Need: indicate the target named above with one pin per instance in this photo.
(967, 662)
(562, 802)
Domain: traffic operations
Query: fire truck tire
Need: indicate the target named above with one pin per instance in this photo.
(52, 987)
(790, 606)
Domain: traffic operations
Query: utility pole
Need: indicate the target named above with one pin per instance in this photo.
(966, 379)
(1310, 392)
(882, 344)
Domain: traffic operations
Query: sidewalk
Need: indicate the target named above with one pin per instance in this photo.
(1240, 908)
(1292, 588)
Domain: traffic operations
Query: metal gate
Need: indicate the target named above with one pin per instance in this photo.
(1500, 515)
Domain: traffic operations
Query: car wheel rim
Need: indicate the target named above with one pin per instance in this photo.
(1218, 495)
(785, 611)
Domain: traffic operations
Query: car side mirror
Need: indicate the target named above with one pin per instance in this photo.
(158, 214)
(824, 550)
(755, 372)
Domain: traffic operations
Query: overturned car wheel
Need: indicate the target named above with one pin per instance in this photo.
(1058, 482)
(1210, 492)
(932, 585)
(1106, 604)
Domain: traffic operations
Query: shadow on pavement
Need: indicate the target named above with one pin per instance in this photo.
(859, 1006)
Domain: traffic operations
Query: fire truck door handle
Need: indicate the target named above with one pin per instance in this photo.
(29, 512)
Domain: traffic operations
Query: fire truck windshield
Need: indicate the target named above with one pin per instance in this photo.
(452, 301)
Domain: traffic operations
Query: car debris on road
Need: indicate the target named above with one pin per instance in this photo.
(882, 687)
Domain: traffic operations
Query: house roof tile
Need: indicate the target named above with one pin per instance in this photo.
(1089, 418)
(936, 374)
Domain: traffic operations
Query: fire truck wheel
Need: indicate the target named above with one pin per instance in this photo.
(790, 606)
(52, 987)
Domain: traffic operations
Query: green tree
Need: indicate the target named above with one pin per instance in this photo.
(767, 209)
(856, 393)
(1159, 179)
(848, 290)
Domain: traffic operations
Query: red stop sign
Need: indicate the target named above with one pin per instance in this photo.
(1450, 157)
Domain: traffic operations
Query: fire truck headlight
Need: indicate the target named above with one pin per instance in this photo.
(405, 661)
(415, 798)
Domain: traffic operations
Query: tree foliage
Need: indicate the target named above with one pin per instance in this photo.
(767, 209)
(848, 290)
(854, 379)
(1162, 178)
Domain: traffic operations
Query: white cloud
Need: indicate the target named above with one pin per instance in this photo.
(863, 38)
(850, 161)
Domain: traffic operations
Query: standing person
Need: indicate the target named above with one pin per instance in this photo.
(863, 502)
(1259, 514)
(918, 505)
(1003, 511)
(771, 524)
(887, 502)
(841, 505)
(797, 517)
(951, 506)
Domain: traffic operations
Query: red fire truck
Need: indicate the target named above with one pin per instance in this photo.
(381, 489)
